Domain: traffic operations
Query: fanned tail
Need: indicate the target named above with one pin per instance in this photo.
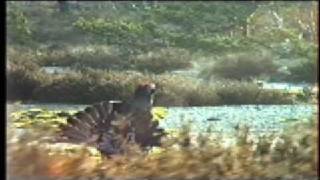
(107, 126)
(86, 126)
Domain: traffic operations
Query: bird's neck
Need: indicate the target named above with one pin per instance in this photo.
(142, 102)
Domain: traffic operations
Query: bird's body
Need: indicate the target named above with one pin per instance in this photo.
(108, 126)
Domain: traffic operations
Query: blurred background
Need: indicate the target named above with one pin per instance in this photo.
(82, 52)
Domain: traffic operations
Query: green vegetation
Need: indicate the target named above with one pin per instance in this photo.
(242, 66)
(42, 118)
(89, 86)
(164, 60)
(98, 57)
(305, 71)
(111, 46)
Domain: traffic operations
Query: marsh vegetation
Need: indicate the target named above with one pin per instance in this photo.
(200, 54)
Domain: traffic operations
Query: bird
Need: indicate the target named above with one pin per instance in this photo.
(110, 125)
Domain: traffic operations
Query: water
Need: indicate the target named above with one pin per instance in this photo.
(290, 87)
(259, 118)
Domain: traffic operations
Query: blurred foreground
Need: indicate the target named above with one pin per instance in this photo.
(292, 153)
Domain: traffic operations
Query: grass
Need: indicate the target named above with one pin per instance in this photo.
(106, 79)
(27, 82)
(91, 85)
(163, 60)
(241, 66)
(277, 155)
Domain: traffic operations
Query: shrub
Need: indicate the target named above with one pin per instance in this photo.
(19, 27)
(23, 77)
(94, 57)
(102, 58)
(203, 95)
(181, 91)
(90, 85)
(22, 56)
(163, 60)
(306, 71)
(20, 86)
(241, 66)
(234, 92)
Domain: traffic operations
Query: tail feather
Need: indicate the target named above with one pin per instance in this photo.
(77, 122)
(106, 106)
(86, 118)
(109, 125)
(88, 123)
(93, 113)
(73, 134)
(81, 128)
(98, 113)
(102, 111)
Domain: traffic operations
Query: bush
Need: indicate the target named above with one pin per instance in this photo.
(163, 60)
(22, 80)
(95, 57)
(22, 56)
(104, 58)
(306, 71)
(241, 66)
(90, 85)
(179, 91)
(19, 27)
(233, 92)
(23, 74)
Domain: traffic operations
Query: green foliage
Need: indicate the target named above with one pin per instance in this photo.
(249, 93)
(23, 76)
(139, 27)
(42, 118)
(242, 66)
(89, 86)
(177, 26)
(155, 38)
(286, 44)
(38, 118)
(130, 37)
(20, 85)
(163, 60)
(306, 71)
(104, 57)
(97, 57)
(136, 31)
(19, 25)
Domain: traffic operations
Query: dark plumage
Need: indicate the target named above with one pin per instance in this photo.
(108, 126)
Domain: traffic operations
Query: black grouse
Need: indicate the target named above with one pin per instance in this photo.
(111, 125)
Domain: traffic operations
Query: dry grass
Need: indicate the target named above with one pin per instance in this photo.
(290, 153)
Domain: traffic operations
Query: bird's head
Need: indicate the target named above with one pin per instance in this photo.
(143, 96)
(145, 90)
